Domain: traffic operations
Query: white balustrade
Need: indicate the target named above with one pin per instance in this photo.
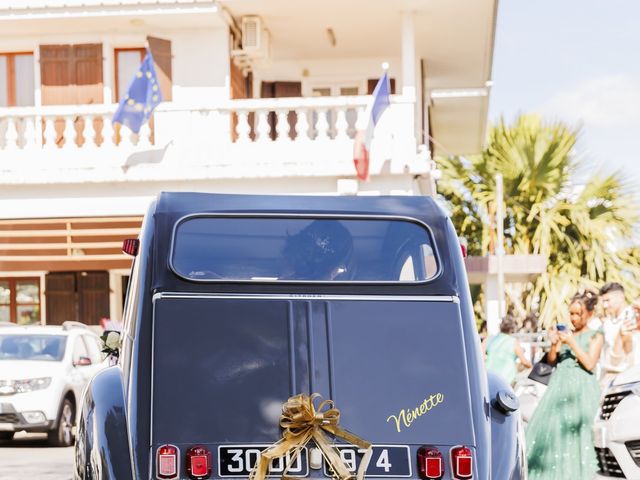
(252, 120)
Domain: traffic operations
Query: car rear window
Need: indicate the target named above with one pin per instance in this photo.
(32, 347)
(276, 249)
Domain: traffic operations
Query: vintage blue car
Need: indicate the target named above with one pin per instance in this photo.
(238, 303)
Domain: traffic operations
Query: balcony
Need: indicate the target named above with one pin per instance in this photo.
(256, 138)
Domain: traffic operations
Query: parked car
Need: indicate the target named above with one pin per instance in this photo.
(616, 430)
(43, 371)
(237, 303)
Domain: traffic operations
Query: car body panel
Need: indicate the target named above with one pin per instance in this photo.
(152, 277)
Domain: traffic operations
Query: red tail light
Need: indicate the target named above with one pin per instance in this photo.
(198, 463)
(130, 246)
(167, 462)
(430, 463)
(462, 462)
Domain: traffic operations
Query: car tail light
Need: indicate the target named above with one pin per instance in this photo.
(430, 464)
(130, 246)
(167, 462)
(198, 463)
(462, 462)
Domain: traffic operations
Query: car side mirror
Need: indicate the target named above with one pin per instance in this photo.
(82, 362)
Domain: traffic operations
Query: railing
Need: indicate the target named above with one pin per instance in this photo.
(239, 138)
(261, 120)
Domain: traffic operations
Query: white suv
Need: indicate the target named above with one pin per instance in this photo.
(616, 431)
(43, 372)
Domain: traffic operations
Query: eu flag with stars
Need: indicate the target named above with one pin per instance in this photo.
(142, 97)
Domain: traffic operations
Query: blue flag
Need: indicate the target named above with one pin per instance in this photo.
(143, 95)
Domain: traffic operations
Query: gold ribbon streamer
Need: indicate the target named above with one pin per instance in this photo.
(301, 422)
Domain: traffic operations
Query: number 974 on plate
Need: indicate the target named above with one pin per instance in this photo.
(386, 460)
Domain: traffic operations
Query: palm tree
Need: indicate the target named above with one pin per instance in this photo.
(584, 229)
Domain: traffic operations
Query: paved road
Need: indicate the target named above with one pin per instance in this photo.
(27, 457)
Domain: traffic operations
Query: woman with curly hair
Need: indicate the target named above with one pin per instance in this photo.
(559, 438)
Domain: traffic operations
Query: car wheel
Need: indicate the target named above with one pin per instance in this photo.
(6, 435)
(62, 435)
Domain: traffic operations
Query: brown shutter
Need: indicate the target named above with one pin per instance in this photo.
(161, 51)
(56, 75)
(371, 84)
(71, 74)
(87, 65)
(60, 293)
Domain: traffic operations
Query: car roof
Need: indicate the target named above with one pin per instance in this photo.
(13, 329)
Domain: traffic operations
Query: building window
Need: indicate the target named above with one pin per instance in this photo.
(20, 300)
(128, 61)
(16, 80)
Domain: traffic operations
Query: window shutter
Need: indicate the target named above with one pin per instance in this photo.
(87, 66)
(71, 74)
(161, 51)
(56, 75)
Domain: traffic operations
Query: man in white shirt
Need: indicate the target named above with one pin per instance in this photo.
(620, 320)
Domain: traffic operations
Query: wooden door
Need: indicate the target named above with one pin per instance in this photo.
(372, 82)
(77, 296)
(279, 90)
(93, 296)
(162, 60)
(60, 294)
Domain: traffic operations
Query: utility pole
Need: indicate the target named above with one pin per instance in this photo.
(500, 244)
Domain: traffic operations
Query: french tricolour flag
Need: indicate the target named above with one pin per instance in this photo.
(363, 139)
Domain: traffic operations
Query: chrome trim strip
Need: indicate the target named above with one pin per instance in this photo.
(310, 296)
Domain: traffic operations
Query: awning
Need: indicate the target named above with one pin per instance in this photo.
(66, 244)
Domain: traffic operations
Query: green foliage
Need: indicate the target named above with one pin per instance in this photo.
(585, 229)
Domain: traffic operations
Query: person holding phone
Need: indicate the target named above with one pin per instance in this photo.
(619, 324)
(559, 438)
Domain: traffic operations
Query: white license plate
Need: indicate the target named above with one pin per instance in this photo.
(239, 460)
(386, 461)
(600, 436)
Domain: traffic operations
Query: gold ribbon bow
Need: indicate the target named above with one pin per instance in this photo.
(301, 422)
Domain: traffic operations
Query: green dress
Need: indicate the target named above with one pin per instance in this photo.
(501, 356)
(559, 438)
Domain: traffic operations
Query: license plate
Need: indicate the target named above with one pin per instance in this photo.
(600, 436)
(386, 461)
(238, 461)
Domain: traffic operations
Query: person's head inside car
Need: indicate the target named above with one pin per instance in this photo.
(323, 250)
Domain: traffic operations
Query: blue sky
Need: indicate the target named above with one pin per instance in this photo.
(576, 61)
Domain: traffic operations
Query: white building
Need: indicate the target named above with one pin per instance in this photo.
(261, 97)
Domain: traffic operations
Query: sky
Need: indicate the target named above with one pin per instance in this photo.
(577, 61)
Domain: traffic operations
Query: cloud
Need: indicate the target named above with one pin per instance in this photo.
(609, 101)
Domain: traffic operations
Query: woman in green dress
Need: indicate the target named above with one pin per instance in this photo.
(559, 438)
(503, 351)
